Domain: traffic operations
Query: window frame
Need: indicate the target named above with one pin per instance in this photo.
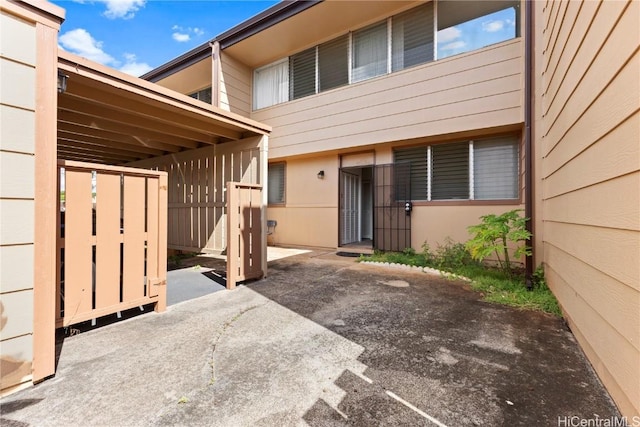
(472, 200)
(284, 184)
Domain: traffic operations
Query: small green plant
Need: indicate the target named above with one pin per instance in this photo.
(182, 400)
(452, 255)
(493, 235)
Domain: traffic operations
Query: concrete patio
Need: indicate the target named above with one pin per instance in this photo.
(322, 341)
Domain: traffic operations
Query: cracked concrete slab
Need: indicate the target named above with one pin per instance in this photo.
(322, 341)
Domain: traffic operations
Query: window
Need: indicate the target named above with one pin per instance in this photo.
(415, 160)
(396, 43)
(333, 63)
(463, 29)
(495, 169)
(486, 169)
(450, 171)
(302, 73)
(271, 84)
(203, 95)
(412, 37)
(369, 58)
(276, 183)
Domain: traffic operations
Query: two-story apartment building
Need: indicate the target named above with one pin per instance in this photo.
(382, 104)
(459, 109)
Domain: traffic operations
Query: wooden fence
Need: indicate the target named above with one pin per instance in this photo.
(112, 240)
(245, 241)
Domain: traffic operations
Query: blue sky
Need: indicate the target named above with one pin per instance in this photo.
(136, 36)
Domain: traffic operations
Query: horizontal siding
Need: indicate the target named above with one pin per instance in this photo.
(235, 88)
(612, 354)
(17, 192)
(475, 90)
(589, 137)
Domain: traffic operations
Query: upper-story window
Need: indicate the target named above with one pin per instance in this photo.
(396, 43)
(203, 95)
(476, 25)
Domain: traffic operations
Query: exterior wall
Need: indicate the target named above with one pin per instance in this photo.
(197, 179)
(235, 86)
(309, 216)
(17, 197)
(587, 144)
(27, 191)
(471, 91)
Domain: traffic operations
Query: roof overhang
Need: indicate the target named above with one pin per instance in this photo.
(274, 39)
(106, 116)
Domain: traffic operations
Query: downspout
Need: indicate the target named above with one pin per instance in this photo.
(528, 164)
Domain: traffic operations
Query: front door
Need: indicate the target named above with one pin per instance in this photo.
(350, 200)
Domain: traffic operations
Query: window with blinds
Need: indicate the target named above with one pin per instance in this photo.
(450, 171)
(444, 171)
(415, 159)
(302, 74)
(203, 95)
(496, 168)
(271, 84)
(333, 63)
(369, 52)
(276, 183)
(412, 37)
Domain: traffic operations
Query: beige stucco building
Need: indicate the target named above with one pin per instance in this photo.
(459, 112)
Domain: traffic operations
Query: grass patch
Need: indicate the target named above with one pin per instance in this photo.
(495, 285)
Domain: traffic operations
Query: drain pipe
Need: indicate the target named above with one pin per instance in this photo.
(528, 163)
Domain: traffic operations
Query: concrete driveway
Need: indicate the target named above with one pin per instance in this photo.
(322, 341)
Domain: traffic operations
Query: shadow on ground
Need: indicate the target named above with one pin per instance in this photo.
(434, 351)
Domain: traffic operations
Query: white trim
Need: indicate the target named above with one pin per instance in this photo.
(429, 173)
(389, 44)
(435, 30)
(317, 69)
(471, 181)
(350, 57)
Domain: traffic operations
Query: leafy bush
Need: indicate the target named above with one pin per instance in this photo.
(493, 235)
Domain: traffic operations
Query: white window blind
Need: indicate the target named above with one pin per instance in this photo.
(496, 168)
(412, 37)
(450, 171)
(369, 52)
(276, 183)
(302, 73)
(271, 85)
(333, 63)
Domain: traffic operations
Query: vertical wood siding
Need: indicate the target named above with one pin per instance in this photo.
(588, 140)
(476, 90)
(197, 196)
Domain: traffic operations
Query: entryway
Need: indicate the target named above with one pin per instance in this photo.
(356, 207)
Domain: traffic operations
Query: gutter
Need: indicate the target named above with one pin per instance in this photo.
(528, 119)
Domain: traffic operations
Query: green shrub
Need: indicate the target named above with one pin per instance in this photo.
(493, 235)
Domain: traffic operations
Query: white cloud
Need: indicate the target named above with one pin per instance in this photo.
(181, 37)
(125, 9)
(454, 45)
(133, 67)
(492, 26)
(448, 34)
(80, 42)
(183, 34)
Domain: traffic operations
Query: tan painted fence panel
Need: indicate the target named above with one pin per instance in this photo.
(107, 245)
(112, 245)
(244, 228)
